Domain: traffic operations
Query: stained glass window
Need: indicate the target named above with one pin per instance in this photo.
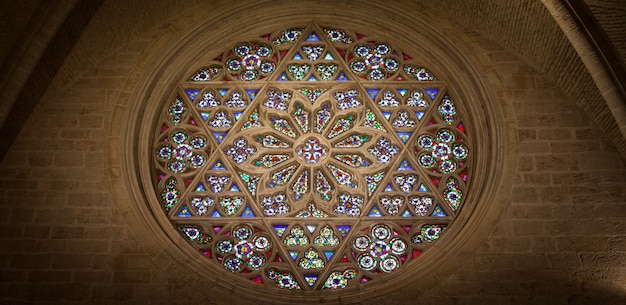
(312, 158)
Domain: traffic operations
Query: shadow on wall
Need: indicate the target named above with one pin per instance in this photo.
(596, 294)
(522, 287)
(555, 290)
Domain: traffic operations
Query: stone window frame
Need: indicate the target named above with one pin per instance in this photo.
(471, 87)
(200, 223)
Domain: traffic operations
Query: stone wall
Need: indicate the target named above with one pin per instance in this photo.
(63, 240)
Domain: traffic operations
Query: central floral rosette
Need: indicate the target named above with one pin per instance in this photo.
(312, 151)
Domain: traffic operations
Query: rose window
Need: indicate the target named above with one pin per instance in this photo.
(312, 158)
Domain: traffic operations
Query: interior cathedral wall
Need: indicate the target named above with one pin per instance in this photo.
(560, 238)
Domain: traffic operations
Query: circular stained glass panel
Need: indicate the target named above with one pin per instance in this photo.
(312, 158)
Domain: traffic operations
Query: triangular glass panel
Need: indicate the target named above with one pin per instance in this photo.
(404, 136)
(372, 93)
(200, 188)
(218, 165)
(402, 91)
(438, 212)
(234, 188)
(386, 114)
(328, 57)
(219, 136)
(422, 188)
(406, 229)
(460, 127)
(252, 93)
(343, 230)
(374, 212)
(184, 212)
(406, 214)
(247, 212)
(237, 115)
(311, 228)
(216, 214)
(344, 259)
(312, 79)
(310, 279)
(342, 77)
(205, 115)
(405, 166)
(365, 279)
(217, 229)
(435, 180)
(329, 254)
(293, 254)
(222, 91)
(415, 253)
(432, 92)
(192, 93)
(297, 56)
(280, 229)
(313, 37)
(283, 77)
(419, 115)
(257, 279)
(388, 188)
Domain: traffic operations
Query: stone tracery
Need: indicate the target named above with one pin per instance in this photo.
(337, 129)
